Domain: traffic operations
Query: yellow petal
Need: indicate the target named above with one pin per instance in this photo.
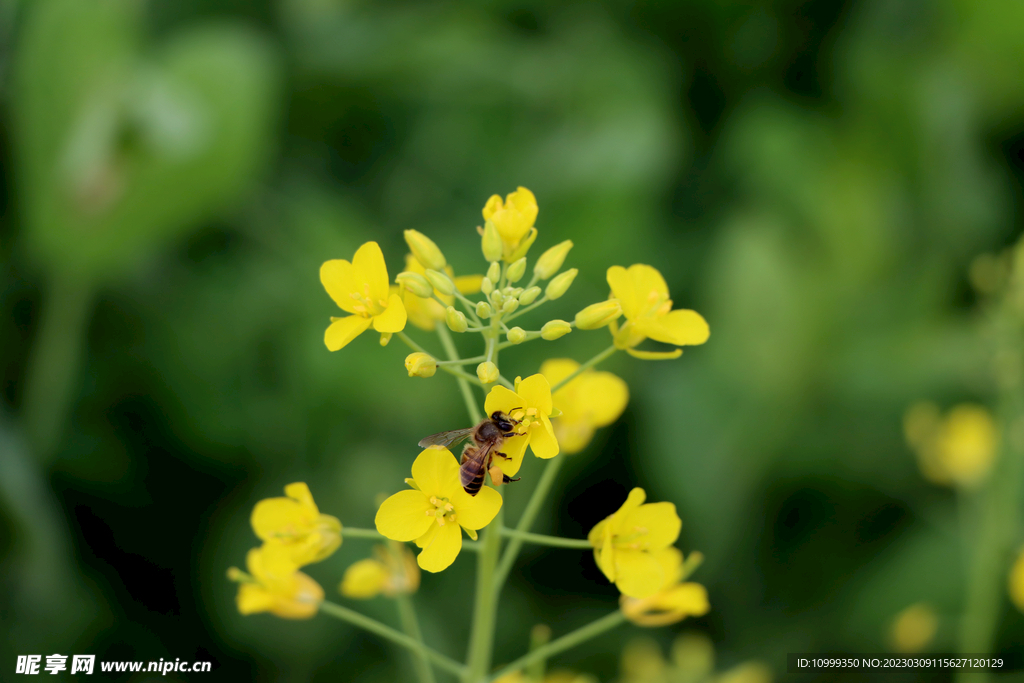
(364, 579)
(542, 439)
(435, 470)
(596, 535)
(536, 392)
(442, 548)
(253, 598)
(342, 331)
(303, 603)
(1015, 582)
(370, 269)
(682, 328)
(502, 399)
(403, 516)
(276, 517)
(637, 573)
(393, 318)
(667, 607)
(514, 448)
(492, 205)
(469, 284)
(338, 278)
(557, 369)
(655, 355)
(606, 555)
(637, 288)
(525, 205)
(659, 519)
(635, 499)
(299, 491)
(475, 512)
(602, 396)
(573, 435)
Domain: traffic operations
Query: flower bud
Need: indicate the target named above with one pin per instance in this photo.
(598, 315)
(424, 249)
(490, 242)
(487, 286)
(483, 310)
(385, 337)
(420, 365)
(516, 270)
(551, 260)
(560, 284)
(523, 246)
(553, 329)
(517, 335)
(529, 296)
(442, 282)
(415, 283)
(494, 272)
(509, 306)
(455, 319)
(487, 372)
(496, 297)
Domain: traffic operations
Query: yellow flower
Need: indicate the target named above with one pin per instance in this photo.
(626, 543)
(558, 676)
(958, 449)
(296, 524)
(530, 403)
(424, 313)
(1016, 582)
(644, 297)
(514, 220)
(391, 573)
(672, 600)
(361, 288)
(593, 399)
(277, 586)
(434, 512)
(913, 628)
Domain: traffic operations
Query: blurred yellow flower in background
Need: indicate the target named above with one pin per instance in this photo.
(626, 541)
(648, 309)
(692, 661)
(297, 525)
(392, 572)
(275, 585)
(1016, 582)
(425, 313)
(913, 628)
(361, 288)
(531, 404)
(958, 449)
(434, 512)
(592, 399)
(514, 219)
(557, 676)
(673, 600)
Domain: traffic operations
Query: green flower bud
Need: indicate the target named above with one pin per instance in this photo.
(494, 272)
(529, 296)
(490, 242)
(420, 365)
(455, 319)
(442, 282)
(551, 260)
(487, 286)
(483, 310)
(424, 249)
(415, 283)
(553, 329)
(487, 372)
(517, 335)
(598, 315)
(560, 284)
(516, 270)
(509, 306)
(385, 337)
(497, 298)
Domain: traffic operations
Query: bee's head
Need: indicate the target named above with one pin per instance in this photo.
(503, 421)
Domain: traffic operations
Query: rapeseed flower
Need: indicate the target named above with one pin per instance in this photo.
(390, 572)
(648, 310)
(424, 313)
(531, 404)
(692, 660)
(361, 288)
(433, 512)
(913, 628)
(672, 599)
(276, 585)
(514, 219)
(297, 525)
(592, 399)
(958, 449)
(626, 542)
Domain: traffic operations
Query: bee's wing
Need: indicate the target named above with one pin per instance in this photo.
(446, 439)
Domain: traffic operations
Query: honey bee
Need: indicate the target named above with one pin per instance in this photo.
(488, 436)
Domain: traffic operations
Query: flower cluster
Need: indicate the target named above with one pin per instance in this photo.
(957, 449)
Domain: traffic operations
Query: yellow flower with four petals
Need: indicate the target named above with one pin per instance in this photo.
(296, 524)
(277, 586)
(672, 600)
(361, 288)
(514, 219)
(435, 511)
(591, 400)
(531, 404)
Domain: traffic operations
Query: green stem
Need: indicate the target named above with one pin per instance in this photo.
(350, 532)
(586, 366)
(566, 642)
(526, 521)
(411, 626)
(530, 336)
(541, 539)
(462, 361)
(485, 609)
(413, 345)
(529, 308)
(467, 394)
(53, 366)
(374, 626)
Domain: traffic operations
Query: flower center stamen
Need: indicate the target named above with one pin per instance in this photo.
(443, 510)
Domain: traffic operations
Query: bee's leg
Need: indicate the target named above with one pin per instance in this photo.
(506, 479)
(502, 455)
(509, 435)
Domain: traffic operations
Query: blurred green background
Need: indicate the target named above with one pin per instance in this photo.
(814, 177)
